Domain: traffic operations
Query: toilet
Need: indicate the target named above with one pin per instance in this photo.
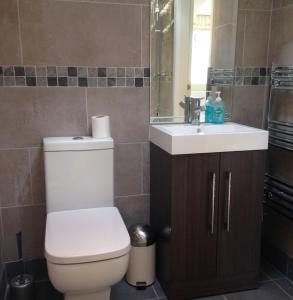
(87, 244)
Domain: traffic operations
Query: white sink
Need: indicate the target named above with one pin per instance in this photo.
(207, 138)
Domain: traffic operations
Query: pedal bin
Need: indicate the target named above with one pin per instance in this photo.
(141, 270)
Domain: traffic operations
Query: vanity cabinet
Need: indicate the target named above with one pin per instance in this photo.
(206, 211)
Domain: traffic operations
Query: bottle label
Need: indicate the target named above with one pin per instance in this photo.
(218, 111)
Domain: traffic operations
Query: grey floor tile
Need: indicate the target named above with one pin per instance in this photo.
(45, 291)
(286, 285)
(123, 291)
(267, 291)
(211, 298)
(270, 271)
(264, 277)
(159, 289)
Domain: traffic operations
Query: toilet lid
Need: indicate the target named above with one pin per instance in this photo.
(85, 235)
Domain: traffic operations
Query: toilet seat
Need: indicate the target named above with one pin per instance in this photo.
(85, 235)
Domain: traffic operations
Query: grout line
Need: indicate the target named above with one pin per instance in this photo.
(131, 143)
(86, 112)
(244, 34)
(269, 37)
(141, 166)
(255, 9)
(225, 298)
(132, 195)
(24, 205)
(266, 95)
(30, 173)
(283, 290)
(275, 268)
(282, 7)
(141, 36)
(155, 291)
(21, 148)
(103, 2)
(19, 32)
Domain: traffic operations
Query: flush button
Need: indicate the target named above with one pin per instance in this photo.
(77, 138)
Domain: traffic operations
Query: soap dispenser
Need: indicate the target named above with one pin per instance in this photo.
(209, 108)
(218, 113)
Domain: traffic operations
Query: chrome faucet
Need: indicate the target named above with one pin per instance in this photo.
(192, 110)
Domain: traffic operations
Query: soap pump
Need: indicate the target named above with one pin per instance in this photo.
(218, 115)
(209, 108)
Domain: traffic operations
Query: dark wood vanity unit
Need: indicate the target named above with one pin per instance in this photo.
(207, 210)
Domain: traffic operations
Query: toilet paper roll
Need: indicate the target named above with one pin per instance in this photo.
(101, 127)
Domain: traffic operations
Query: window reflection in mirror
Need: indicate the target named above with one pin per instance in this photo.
(192, 54)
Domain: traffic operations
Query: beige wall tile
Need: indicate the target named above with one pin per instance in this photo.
(256, 38)
(134, 209)
(15, 181)
(255, 4)
(240, 38)
(31, 221)
(223, 47)
(281, 41)
(128, 109)
(128, 169)
(145, 36)
(29, 114)
(223, 12)
(138, 2)
(281, 3)
(249, 105)
(72, 33)
(38, 177)
(9, 37)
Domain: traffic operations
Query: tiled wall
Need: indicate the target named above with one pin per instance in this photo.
(94, 33)
(252, 41)
(281, 39)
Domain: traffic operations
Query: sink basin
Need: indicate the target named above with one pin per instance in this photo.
(207, 138)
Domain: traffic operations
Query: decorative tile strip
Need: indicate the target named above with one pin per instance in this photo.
(239, 76)
(71, 76)
(282, 77)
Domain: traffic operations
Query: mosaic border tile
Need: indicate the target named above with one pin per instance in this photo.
(240, 76)
(74, 76)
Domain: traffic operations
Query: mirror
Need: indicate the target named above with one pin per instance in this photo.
(192, 54)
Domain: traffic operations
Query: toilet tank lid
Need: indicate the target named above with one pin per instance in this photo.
(76, 143)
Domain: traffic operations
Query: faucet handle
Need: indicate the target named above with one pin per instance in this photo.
(191, 99)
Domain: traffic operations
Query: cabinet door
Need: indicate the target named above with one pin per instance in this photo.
(194, 217)
(241, 193)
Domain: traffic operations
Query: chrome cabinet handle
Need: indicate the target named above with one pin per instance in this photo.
(213, 203)
(229, 201)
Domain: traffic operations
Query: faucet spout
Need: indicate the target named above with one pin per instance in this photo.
(192, 110)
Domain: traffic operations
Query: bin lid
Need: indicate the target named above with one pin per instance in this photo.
(141, 235)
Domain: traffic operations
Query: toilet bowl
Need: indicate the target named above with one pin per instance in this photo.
(87, 252)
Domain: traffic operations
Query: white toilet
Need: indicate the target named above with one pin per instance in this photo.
(87, 244)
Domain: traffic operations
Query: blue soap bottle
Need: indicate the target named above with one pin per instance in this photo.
(218, 114)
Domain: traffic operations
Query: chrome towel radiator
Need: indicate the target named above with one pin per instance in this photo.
(279, 176)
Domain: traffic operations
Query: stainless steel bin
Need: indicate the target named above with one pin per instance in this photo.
(141, 271)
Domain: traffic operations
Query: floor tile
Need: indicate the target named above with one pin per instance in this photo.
(286, 285)
(211, 298)
(264, 277)
(267, 291)
(159, 289)
(271, 271)
(123, 291)
(45, 291)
